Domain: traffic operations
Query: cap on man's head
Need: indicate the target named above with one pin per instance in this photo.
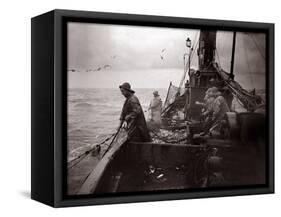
(209, 90)
(126, 86)
(155, 93)
(215, 89)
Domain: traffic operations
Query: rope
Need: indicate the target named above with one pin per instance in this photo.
(248, 100)
(219, 62)
(185, 63)
(84, 154)
(194, 48)
(81, 158)
(115, 135)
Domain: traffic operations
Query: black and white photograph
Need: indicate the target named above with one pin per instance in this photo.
(155, 109)
(140, 108)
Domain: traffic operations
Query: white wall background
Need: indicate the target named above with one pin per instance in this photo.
(15, 106)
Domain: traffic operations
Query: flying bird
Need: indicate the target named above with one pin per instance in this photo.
(106, 66)
(114, 56)
(161, 55)
(72, 70)
(98, 69)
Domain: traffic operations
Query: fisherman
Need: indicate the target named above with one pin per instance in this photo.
(155, 108)
(213, 82)
(216, 110)
(207, 104)
(225, 91)
(207, 110)
(132, 117)
(220, 106)
(209, 100)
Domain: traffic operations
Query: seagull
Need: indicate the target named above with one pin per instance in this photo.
(106, 66)
(162, 51)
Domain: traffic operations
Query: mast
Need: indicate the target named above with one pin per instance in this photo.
(207, 47)
(233, 55)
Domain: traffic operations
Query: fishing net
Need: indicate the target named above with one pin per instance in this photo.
(250, 100)
(171, 96)
(174, 103)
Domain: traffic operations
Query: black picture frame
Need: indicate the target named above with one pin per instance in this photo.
(49, 103)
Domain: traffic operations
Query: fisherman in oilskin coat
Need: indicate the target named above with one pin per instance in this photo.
(155, 107)
(132, 116)
(217, 108)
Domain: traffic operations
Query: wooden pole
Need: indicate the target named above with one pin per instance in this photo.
(233, 55)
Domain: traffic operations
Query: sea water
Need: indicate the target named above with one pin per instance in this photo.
(93, 115)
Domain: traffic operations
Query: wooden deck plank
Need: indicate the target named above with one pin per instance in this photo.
(93, 179)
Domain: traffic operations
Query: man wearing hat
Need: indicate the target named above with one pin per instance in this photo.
(132, 116)
(156, 108)
(220, 106)
(207, 104)
(217, 108)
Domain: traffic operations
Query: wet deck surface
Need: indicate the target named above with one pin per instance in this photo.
(161, 179)
(240, 166)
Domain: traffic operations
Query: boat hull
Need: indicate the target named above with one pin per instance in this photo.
(148, 167)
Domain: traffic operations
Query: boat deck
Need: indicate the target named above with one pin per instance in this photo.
(144, 167)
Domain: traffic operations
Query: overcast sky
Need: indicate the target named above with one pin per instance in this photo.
(134, 55)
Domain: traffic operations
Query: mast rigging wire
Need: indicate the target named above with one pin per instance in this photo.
(190, 59)
(248, 64)
(256, 44)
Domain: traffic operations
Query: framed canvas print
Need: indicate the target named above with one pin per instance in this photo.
(130, 108)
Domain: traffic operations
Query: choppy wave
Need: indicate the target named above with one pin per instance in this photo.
(79, 132)
(93, 114)
(83, 105)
